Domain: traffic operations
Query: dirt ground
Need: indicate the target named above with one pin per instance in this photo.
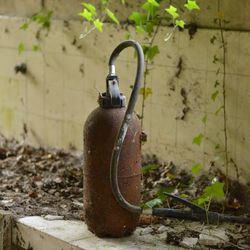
(39, 181)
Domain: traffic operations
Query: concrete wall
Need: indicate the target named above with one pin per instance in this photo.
(63, 80)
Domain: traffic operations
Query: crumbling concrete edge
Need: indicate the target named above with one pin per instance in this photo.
(6, 223)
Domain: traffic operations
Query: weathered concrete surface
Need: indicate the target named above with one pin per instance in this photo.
(40, 234)
(5, 230)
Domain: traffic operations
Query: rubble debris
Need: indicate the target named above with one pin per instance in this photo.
(189, 242)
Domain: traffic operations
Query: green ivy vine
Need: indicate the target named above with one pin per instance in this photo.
(147, 22)
(43, 20)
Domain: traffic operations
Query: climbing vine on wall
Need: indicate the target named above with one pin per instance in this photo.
(152, 14)
(219, 89)
(43, 20)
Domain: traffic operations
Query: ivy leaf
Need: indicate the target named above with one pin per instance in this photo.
(90, 7)
(153, 2)
(149, 168)
(98, 24)
(150, 7)
(204, 119)
(192, 5)
(43, 19)
(172, 11)
(196, 169)
(145, 92)
(136, 17)
(214, 95)
(180, 23)
(149, 28)
(198, 139)
(215, 191)
(20, 48)
(35, 47)
(152, 52)
(112, 16)
(139, 29)
(153, 203)
(86, 14)
(202, 200)
(24, 26)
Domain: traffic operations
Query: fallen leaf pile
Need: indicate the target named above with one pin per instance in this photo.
(38, 181)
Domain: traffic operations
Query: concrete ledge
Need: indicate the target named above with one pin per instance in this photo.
(5, 230)
(38, 233)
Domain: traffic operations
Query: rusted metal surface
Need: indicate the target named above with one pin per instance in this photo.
(103, 214)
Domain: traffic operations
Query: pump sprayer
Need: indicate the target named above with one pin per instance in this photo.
(103, 214)
(112, 169)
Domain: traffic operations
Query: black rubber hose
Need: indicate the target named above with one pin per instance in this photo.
(211, 217)
(124, 127)
(162, 212)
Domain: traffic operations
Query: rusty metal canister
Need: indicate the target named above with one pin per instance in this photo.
(103, 215)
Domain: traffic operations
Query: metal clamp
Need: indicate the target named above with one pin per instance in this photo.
(112, 98)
